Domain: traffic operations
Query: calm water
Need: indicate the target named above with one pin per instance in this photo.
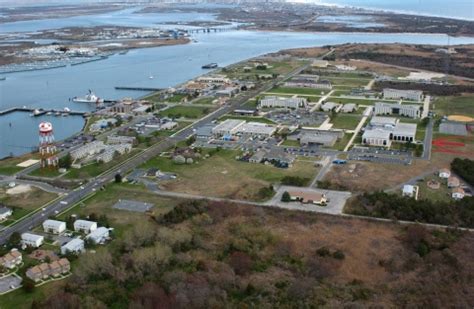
(169, 65)
(462, 9)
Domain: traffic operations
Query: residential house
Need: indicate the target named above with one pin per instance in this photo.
(444, 173)
(84, 226)
(31, 240)
(458, 194)
(74, 246)
(453, 182)
(307, 197)
(11, 259)
(54, 226)
(99, 236)
(409, 191)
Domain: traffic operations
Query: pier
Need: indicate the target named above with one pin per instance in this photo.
(150, 89)
(41, 111)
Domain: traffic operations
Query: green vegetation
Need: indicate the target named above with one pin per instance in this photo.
(291, 143)
(295, 181)
(345, 121)
(299, 91)
(204, 101)
(8, 165)
(247, 118)
(390, 206)
(342, 142)
(192, 112)
(464, 168)
(455, 105)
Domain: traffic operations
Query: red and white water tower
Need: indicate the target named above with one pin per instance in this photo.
(47, 148)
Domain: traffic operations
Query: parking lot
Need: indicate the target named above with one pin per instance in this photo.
(135, 206)
(9, 283)
(297, 118)
(380, 159)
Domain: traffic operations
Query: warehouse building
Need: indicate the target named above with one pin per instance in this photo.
(412, 111)
(397, 94)
(275, 102)
(228, 127)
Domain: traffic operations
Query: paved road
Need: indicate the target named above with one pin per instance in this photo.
(43, 186)
(95, 184)
(323, 171)
(427, 143)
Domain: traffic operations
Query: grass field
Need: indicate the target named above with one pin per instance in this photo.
(204, 101)
(299, 91)
(26, 202)
(223, 176)
(247, 118)
(8, 165)
(342, 143)
(348, 82)
(441, 194)
(455, 105)
(192, 112)
(95, 169)
(346, 121)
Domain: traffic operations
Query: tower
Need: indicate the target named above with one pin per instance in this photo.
(47, 149)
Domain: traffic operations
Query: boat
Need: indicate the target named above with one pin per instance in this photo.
(36, 112)
(210, 66)
(151, 77)
(88, 98)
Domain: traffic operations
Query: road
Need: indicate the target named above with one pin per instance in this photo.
(95, 184)
(427, 143)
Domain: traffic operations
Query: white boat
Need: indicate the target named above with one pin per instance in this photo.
(151, 77)
(88, 98)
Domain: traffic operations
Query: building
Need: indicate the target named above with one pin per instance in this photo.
(84, 226)
(329, 106)
(5, 212)
(112, 150)
(285, 102)
(320, 138)
(444, 173)
(31, 240)
(44, 271)
(204, 133)
(256, 129)
(408, 190)
(88, 149)
(169, 125)
(54, 226)
(453, 182)
(458, 194)
(228, 127)
(227, 92)
(214, 79)
(119, 139)
(99, 236)
(383, 130)
(12, 259)
(320, 63)
(349, 108)
(397, 94)
(74, 246)
(407, 110)
(306, 197)
(303, 81)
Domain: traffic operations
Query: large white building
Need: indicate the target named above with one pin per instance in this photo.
(111, 150)
(382, 131)
(85, 226)
(256, 129)
(88, 149)
(54, 226)
(99, 236)
(228, 127)
(214, 79)
(74, 246)
(397, 94)
(274, 101)
(32, 240)
(408, 110)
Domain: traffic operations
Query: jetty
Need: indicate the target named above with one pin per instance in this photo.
(150, 89)
(41, 111)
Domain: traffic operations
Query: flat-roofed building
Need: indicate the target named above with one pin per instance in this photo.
(99, 236)
(349, 108)
(74, 246)
(408, 110)
(228, 127)
(398, 94)
(274, 101)
(84, 226)
(382, 131)
(54, 226)
(329, 106)
(88, 149)
(256, 129)
(32, 240)
(376, 137)
(214, 79)
(323, 138)
(320, 63)
(119, 139)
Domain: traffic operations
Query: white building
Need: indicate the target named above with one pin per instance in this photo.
(110, 152)
(329, 106)
(88, 149)
(382, 131)
(444, 173)
(214, 79)
(349, 108)
(99, 236)
(409, 191)
(458, 194)
(5, 212)
(228, 127)
(118, 139)
(408, 110)
(32, 240)
(320, 63)
(256, 129)
(274, 101)
(54, 226)
(85, 226)
(397, 94)
(74, 246)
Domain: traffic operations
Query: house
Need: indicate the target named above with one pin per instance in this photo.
(307, 197)
(458, 194)
(349, 108)
(65, 265)
(453, 182)
(444, 173)
(31, 240)
(74, 246)
(329, 106)
(44, 271)
(55, 269)
(84, 226)
(54, 226)
(11, 259)
(34, 273)
(5, 212)
(409, 191)
(99, 236)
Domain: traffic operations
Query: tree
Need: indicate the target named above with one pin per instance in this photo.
(118, 178)
(66, 161)
(14, 240)
(286, 197)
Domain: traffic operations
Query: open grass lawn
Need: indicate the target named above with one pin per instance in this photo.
(299, 91)
(223, 176)
(19, 299)
(247, 118)
(348, 82)
(24, 203)
(455, 105)
(346, 121)
(251, 104)
(8, 165)
(342, 143)
(442, 194)
(291, 143)
(95, 169)
(193, 112)
(204, 101)
(45, 172)
(103, 201)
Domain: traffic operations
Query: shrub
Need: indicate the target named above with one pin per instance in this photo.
(286, 198)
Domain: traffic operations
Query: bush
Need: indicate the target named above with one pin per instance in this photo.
(323, 251)
(286, 198)
(294, 181)
(339, 255)
(464, 168)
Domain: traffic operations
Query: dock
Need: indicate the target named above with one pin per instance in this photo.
(150, 89)
(42, 111)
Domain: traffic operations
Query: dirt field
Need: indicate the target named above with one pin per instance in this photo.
(30, 200)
